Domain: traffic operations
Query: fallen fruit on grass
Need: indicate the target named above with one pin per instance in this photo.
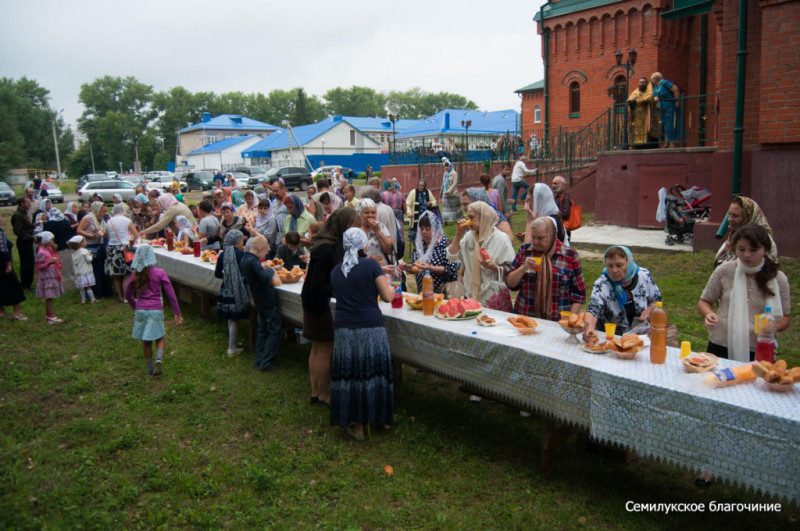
(389, 470)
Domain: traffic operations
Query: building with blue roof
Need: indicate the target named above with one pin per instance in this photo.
(211, 130)
(221, 155)
(454, 133)
(333, 137)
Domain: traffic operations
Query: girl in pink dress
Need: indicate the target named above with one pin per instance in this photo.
(48, 268)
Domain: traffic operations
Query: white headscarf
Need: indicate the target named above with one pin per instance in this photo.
(354, 240)
(365, 203)
(544, 204)
(46, 237)
(436, 234)
(55, 214)
(739, 314)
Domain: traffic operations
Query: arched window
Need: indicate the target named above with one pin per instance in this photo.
(622, 89)
(574, 98)
(537, 114)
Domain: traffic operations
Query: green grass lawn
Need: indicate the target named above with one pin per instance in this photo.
(88, 441)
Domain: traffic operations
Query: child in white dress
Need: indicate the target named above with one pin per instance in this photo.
(82, 265)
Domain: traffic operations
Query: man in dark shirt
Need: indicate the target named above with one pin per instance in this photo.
(23, 229)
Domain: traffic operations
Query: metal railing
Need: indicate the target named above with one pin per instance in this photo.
(566, 149)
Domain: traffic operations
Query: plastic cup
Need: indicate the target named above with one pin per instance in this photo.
(686, 349)
(610, 329)
(565, 314)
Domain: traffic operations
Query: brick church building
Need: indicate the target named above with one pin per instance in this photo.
(694, 44)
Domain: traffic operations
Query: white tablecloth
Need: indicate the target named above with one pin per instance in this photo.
(744, 434)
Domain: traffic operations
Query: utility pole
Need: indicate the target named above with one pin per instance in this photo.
(55, 143)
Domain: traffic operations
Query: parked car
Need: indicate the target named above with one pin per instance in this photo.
(160, 173)
(327, 172)
(106, 190)
(293, 177)
(7, 194)
(133, 178)
(163, 183)
(256, 174)
(199, 180)
(92, 177)
(242, 179)
(53, 192)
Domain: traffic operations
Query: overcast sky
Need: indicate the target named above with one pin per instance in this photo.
(479, 49)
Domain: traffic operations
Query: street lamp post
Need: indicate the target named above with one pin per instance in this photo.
(628, 69)
(465, 125)
(394, 118)
(55, 143)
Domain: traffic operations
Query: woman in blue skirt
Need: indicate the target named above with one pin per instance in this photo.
(362, 391)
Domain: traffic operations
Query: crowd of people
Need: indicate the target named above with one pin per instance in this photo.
(352, 248)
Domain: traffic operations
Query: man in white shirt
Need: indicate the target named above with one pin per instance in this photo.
(518, 181)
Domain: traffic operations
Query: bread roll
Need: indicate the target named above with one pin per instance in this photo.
(780, 367)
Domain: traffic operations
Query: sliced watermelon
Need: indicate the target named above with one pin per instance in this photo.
(213, 258)
(442, 310)
(454, 309)
(471, 307)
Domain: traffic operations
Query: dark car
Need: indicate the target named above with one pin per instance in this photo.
(256, 174)
(293, 177)
(199, 180)
(7, 195)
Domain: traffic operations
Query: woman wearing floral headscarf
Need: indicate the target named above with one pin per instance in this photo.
(299, 218)
(394, 199)
(553, 286)
(451, 208)
(743, 211)
(430, 254)
(482, 278)
(237, 198)
(362, 391)
(233, 301)
(141, 212)
(623, 294)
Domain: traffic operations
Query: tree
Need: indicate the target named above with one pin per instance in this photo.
(118, 111)
(307, 110)
(418, 104)
(26, 127)
(355, 101)
(178, 108)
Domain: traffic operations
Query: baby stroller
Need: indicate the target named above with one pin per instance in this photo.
(681, 209)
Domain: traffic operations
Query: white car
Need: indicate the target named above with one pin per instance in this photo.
(242, 179)
(162, 183)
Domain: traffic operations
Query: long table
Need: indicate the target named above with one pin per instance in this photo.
(744, 434)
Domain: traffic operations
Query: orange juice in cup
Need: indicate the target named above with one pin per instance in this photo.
(610, 329)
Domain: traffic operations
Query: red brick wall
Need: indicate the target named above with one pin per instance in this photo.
(779, 104)
(529, 101)
(582, 47)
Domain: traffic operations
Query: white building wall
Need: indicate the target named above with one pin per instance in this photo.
(224, 158)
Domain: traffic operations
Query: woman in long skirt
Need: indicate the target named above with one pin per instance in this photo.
(362, 392)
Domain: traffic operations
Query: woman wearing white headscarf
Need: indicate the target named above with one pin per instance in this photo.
(71, 213)
(170, 208)
(59, 225)
(93, 227)
(430, 253)
(542, 203)
(233, 301)
(483, 277)
(119, 231)
(379, 239)
(362, 392)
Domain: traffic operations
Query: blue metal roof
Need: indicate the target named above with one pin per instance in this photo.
(231, 121)
(222, 144)
(377, 124)
(449, 121)
(303, 133)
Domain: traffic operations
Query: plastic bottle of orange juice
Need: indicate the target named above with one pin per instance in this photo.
(658, 335)
(427, 294)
